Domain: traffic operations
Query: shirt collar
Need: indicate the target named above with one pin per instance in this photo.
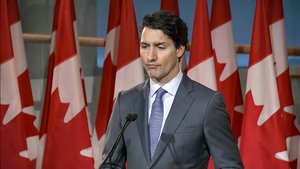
(171, 87)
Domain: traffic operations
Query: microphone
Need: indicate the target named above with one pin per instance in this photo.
(129, 118)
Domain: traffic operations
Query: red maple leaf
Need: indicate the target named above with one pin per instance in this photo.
(286, 99)
(64, 141)
(261, 143)
(289, 120)
(13, 140)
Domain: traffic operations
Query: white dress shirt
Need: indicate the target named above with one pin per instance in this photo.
(171, 87)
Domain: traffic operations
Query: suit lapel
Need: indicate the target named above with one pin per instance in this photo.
(179, 108)
(141, 108)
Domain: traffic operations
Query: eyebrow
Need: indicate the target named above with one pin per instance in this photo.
(155, 44)
(161, 43)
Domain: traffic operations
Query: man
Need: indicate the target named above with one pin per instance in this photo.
(180, 122)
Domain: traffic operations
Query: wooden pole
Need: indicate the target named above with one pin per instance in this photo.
(100, 42)
(85, 41)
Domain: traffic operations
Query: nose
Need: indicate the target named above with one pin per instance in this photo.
(152, 54)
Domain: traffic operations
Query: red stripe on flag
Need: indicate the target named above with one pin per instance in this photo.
(275, 9)
(6, 51)
(170, 5)
(129, 45)
(47, 105)
(220, 13)
(201, 48)
(114, 17)
(13, 11)
(106, 98)
(260, 48)
(25, 89)
(65, 47)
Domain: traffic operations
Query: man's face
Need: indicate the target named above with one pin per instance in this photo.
(159, 55)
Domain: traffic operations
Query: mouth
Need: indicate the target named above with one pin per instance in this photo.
(152, 66)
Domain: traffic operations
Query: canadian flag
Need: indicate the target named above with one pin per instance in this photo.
(262, 140)
(106, 96)
(65, 137)
(228, 81)
(277, 33)
(130, 71)
(201, 67)
(172, 6)
(122, 46)
(19, 134)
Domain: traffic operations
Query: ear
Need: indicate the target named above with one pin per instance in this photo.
(180, 51)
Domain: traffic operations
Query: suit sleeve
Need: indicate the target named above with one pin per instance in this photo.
(219, 137)
(114, 127)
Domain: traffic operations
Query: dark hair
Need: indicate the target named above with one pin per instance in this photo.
(170, 24)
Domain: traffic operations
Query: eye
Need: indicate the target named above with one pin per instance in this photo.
(143, 46)
(161, 47)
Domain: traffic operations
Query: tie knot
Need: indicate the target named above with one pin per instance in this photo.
(160, 92)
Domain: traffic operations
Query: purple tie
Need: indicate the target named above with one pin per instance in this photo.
(156, 119)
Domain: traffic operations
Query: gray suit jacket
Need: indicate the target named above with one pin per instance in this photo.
(197, 126)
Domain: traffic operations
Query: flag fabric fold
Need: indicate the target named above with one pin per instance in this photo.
(277, 33)
(106, 96)
(19, 134)
(201, 67)
(170, 5)
(227, 75)
(262, 139)
(65, 138)
(125, 66)
(130, 71)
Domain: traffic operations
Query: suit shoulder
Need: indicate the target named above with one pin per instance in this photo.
(198, 87)
(200, 91)
(130, 92)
